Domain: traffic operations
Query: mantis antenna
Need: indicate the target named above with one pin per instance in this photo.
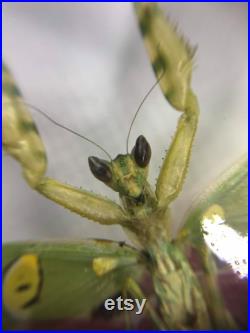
(142, 102)
(67, 128)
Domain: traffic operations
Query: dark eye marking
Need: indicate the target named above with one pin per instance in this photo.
(142, 152)
(29, 290)
(36, 297)
(23, 287)
(100, 169)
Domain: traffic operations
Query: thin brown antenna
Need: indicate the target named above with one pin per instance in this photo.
(142, 102)
(67, 128)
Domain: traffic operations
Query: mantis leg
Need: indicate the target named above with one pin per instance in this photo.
(22, 141)
(172, 55)
(174, 168)
(218, 312)
(20, 135)
(84, 203)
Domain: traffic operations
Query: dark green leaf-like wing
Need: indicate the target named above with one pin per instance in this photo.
(64, 280)
(217, 222)
(230, 193)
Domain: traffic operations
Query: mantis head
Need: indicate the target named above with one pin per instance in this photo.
(126, 174)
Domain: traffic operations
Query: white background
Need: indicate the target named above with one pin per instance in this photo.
(85, 65)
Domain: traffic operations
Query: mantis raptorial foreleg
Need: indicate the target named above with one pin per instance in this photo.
(169, 183)
(22, 140)
(170, 53)
(82, 202)
(20, 135)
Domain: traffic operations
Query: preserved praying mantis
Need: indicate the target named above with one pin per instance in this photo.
(185, 303)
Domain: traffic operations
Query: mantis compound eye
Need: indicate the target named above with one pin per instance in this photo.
(100, 169)
(142, 152)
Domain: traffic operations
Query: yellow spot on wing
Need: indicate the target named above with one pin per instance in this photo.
(224, 241)
(103, 265)
(212, 211)
(21, 285)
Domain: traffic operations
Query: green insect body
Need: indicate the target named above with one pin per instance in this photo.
(100, 269)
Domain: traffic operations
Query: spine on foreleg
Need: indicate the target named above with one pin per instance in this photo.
(179, 292)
